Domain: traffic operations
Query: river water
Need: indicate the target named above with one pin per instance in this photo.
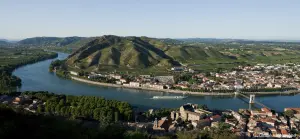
(35, 77)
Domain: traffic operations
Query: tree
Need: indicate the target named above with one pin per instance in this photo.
(39, 109)
(289, 113)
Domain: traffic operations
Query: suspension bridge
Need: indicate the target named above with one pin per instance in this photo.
(251, 99)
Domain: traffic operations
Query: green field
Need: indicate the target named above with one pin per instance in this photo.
(12, 58)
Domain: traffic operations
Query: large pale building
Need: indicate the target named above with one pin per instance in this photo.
(190, 112)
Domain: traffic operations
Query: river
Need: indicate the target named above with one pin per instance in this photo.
(35, 77)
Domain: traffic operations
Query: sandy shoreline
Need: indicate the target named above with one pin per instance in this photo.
(179, 91)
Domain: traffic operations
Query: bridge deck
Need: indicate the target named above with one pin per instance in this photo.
(259, 103)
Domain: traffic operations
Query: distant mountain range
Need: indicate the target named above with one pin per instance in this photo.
(50, 41)
(76, 42)
(216, 40)
(3, 42)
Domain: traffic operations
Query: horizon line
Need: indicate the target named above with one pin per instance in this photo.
(176, 38)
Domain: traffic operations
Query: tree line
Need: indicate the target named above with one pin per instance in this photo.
(87, 107)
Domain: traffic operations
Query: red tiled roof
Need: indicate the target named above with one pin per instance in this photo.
(284, 132)
(265, 109)
(160, 123)
(267, 120)
(216, 116)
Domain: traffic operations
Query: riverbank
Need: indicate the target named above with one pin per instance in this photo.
(151, 89)
(182, 92)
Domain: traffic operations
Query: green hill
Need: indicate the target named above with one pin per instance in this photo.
(2, 42)
(51, 41)
(122, 52)
(156, 55)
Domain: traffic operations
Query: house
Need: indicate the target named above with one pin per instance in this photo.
(191, 116)
(115, 76)
(215, 118)
(157, 86)
(154, 86)
(264, 112)
(267, 111)
(172, 128)
(145, 76)
(232, 122)
(283, 126)
(175, 115)
(74, 73)
(123, 80)
(268, 122)
(93, 76)
(285, 134)
(276, 133)
(165, 79)
(236, 115)
(251, 124)
(19, 100)
(177, 68)
(215, 124)
(277, 86)
(134, 84)
(191, 112)
(183, 86)
(191, 70)
(201, 123)
(161, 125)
(297, 116)
(269, 85)
(118, 82)
(283, 119)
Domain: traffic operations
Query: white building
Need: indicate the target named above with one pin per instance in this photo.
(134, 84)
(74, 73)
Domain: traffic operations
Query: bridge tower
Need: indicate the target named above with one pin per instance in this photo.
(252, 97)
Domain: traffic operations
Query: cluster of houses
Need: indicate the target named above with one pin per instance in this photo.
(265, 123)
(142, 81)
(245, 123)
(196, 117)
(260, 76)
(248, 77)
(22, 101)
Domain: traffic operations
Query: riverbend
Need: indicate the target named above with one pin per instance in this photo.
(36, 77)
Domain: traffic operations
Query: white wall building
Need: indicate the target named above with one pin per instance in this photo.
(74, 73)
(134, 84)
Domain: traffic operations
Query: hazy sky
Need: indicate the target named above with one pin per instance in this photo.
(248, 19)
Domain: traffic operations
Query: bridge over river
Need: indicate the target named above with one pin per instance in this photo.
(251, 99)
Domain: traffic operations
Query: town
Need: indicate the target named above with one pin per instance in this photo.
(188, 117)
(258, 78)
